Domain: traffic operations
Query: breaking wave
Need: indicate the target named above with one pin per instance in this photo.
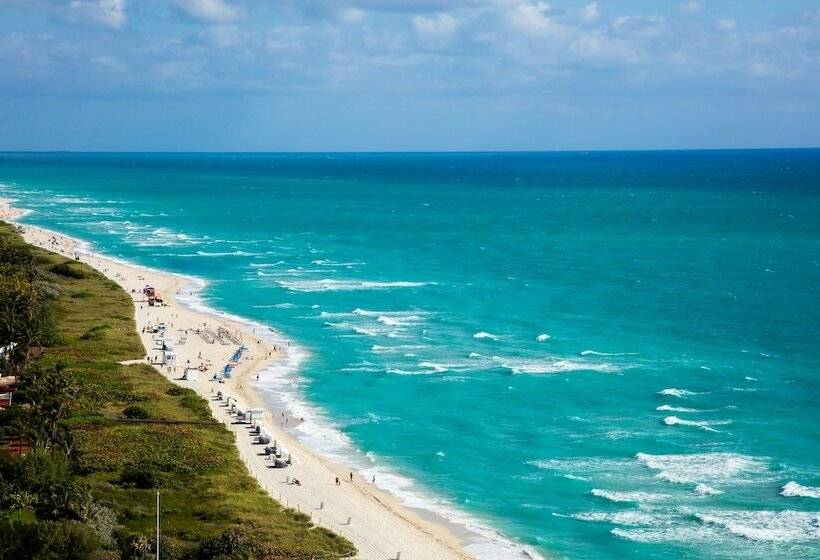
(694, 468)
(523, 365)
(614, 496)
(702, 424)
(330, 285)
(795, 490)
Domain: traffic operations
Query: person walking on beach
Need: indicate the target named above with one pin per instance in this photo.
(337, 481)
(351, 477)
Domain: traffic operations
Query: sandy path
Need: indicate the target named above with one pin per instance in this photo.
(374, 521)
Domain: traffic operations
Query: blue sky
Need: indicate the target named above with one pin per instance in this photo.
(294, 75)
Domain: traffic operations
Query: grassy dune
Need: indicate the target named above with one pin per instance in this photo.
(205, 486)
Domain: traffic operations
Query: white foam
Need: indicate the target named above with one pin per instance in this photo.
(485, 335)
(331, 285)
(491, 545)
(794, 490)
(329, 262)
(667, 408)
(398, 320)
(615, 496)
(381, 349)
(594, 353)
(553, 365)
(704, 490)
(225, 254)
(702, 424)
(618, 518)
(72, 200)
(438, 368)
(671, 534)
(679, 393)
(543, 337)
(766, 526)
(693, 468)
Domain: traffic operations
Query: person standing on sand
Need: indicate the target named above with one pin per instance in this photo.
(351, 477)
(337, 481)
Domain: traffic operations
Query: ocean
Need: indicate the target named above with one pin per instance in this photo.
(591, 355)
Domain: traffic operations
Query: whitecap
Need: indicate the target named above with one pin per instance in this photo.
(679, 393)
(693, 468)
(331, 285)
(704, 490)
(668, 408)
(614, 496)
(617, 518)
(702, 424)
(671, 534)
(595, 353)
(794, 490)
(438, 368)
(329, 262)
(552, 365)
(766, 526)
(225, 254)
(485, 335)
(543, 337)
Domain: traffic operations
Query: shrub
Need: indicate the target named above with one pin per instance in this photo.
(141, 475)
(66, 540)
(44, 483)
(233, 543)
(136, 412)
(175, 391)
(134, 547)
(196, 404)
(66, 270)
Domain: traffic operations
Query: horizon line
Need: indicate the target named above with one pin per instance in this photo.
(387, 152)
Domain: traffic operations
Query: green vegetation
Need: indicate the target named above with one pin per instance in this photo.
(100, 437)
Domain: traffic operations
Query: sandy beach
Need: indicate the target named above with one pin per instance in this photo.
(379, 526)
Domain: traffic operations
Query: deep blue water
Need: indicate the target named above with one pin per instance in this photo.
(672, 396)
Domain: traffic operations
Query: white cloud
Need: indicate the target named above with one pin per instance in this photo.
(209, 11)
(535, 19)
(640, 25)
(110, 13)
(437, 29)
(597, 45)
(589, 13)
(692, 6)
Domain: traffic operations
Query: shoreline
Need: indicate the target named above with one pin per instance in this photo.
(377, 524)
(424, 532)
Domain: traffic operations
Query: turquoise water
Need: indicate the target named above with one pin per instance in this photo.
(600, 355)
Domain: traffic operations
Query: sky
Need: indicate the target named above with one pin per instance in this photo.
(392, 75)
